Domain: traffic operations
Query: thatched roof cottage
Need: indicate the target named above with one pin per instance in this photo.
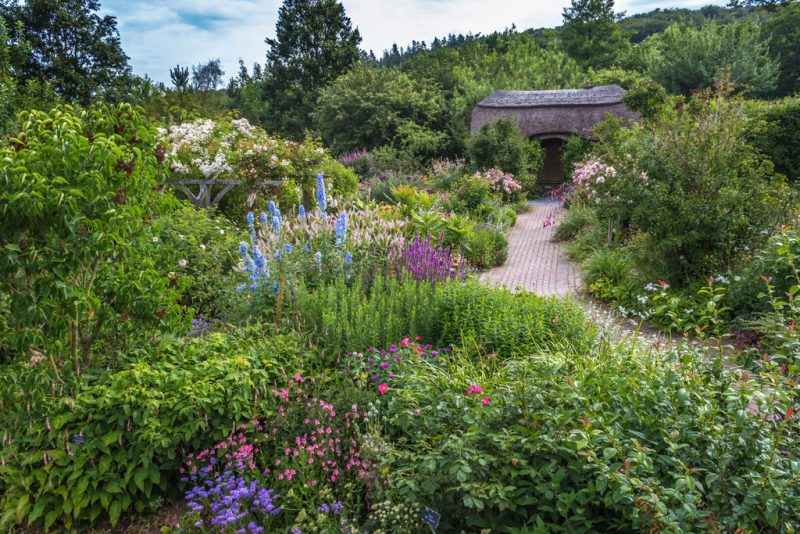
(551, 116)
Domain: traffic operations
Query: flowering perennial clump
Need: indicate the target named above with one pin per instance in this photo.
(424, 261)
(227, 499)
(309, 448)
(383, 367)
(502, 182)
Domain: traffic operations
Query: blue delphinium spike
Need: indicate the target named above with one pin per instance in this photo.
(341, 228)
(243, 250)
(263, 218)
(322, 201)
(250, 219)
(288, 248)
(276, 223)
(276, 287)
(271, 207)
(301, 212)
(260, 261)
(348, 258)
(253, 269)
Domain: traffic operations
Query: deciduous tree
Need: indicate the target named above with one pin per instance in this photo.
(72, 46)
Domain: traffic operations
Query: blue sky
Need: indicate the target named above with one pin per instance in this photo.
(158, 34)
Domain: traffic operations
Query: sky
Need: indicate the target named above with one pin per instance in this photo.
(158, 34)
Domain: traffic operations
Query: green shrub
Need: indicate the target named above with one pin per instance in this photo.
(76, 192)
(346, 317)
(200, 248)
(471, 195)
(111, 443)
(586, 243)
(343, 180)
(778, 263)
(501, 145)
(647, 97)
(379, 187)
(612, 265)
(486, 246)
(367, 313)
(579, 219)
(603, 440)
(368, 108)
(576, 150)
(780, 137)
(693, 186)
(505, 216)
(505, 323)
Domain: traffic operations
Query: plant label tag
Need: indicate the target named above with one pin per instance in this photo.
(430, 518)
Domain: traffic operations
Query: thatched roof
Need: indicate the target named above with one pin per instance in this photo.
(589, 96)
(553, 113)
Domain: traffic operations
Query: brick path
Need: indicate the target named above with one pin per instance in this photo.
(535, 262)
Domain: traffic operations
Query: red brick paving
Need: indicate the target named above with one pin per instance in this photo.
(535, 262)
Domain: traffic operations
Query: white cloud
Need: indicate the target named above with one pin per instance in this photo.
(158, 34)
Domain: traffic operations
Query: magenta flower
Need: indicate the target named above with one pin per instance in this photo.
(486, 401)
(383, 388)
(474, 389)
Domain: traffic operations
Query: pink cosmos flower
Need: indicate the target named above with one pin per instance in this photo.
(383, 388)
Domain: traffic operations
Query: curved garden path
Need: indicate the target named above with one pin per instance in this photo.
(535, 262)
(538, 264)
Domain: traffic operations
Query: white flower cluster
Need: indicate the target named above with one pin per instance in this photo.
(190, 134)
(214, 168)
(243, 126)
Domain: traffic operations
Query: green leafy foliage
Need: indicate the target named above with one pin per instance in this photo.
(693, 186)
(501, 145)
(72, 47)
(684, 58)
(776, 265)
(783, 27)
(314, 43)
(369, 108)
(361, 316)
(76, 192)
(781, 133)
(486, 246)
(592, 441)
(133, 421)
(198, 248)
(590, 34)
(576, 150)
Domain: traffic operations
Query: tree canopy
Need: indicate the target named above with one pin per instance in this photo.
(72, 46)
(590, 33)
(684, 58)
(315, 43)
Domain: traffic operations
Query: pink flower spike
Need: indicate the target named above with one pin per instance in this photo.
(486, 401)
(383, 388)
